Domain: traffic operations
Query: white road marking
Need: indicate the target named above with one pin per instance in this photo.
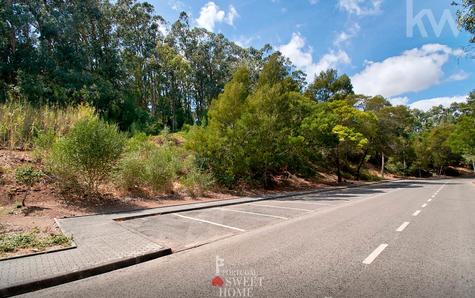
(402, 227)
(429, 200)
(416, 213)
(280, 207)
(374, 254)
(209, 222)
(253, 213)
(433, 196)
(308, 202)
(424, 205)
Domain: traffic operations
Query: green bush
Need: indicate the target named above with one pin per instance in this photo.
(162, 168)
(157, 167)
(27, 175)
(88, 154)
(195, 180)
(43, 143)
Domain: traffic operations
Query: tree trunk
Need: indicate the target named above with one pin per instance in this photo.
(338, 166)
(358, 171)
(382, 164)
(473, 165)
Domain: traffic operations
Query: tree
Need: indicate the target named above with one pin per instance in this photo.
(329, 86)
(462, 139)
(466, 16)
(338, 128)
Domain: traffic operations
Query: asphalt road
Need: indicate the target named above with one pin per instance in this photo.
(405, 239)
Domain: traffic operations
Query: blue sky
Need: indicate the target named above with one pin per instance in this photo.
(366, 39)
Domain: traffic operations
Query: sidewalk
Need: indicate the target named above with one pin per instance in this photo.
(102, 245)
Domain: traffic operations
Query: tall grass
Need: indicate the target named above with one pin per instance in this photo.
(20, 123)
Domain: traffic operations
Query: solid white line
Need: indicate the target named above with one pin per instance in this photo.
(209, 222)
(374, 254)
(424, 205)
(416, 213)
(308, 202)
(402, 227)
(280, 207)
(253, 213)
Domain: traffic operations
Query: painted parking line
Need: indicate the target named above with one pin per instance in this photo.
(424, 205)
(416, 213)
(253, 213)
(375, 254)
(402, 227)
(209, 222)
(281, 207)
(308, 202)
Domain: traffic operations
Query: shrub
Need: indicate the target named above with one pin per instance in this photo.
(87, 154)
(162, 168)
(27, 175)
(195, 180)
(43, 143)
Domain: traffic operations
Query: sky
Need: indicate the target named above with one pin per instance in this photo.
(409, 51)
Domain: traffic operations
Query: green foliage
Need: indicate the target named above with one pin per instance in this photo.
(329, 86)
(13, 242)
(27, 175)
(253, 135)
(146, 165)
(87, 154)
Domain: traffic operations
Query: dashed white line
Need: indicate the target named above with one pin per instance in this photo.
(280, 207)
(424, 205)
(416, 213)
(209, 222)
(402, 227)
(253, 213)
(429, 200)
(374, 254)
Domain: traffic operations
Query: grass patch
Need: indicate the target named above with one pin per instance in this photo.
(13, 242)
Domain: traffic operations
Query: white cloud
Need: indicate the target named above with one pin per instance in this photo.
(176, 5)
(459, 76)
(427, 104)
(399, 101)
(232, 15)
(414, 70)
(301, 56)
(211, 14)
(343, 37)
(361, 7)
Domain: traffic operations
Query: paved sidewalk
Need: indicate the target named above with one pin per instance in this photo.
(101, 242)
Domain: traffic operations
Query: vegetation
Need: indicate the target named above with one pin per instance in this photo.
(30, 240)
(88, 153)
(86, 85)
(27, 176)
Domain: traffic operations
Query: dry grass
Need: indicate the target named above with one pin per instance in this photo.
(21, 123)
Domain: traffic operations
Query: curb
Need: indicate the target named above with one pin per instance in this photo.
(39, 284)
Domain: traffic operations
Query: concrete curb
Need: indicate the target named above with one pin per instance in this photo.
(39, 284)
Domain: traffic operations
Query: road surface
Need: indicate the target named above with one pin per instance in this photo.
(401, 239)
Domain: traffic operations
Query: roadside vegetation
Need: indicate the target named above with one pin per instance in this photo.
(108, 103)
(32, 241)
